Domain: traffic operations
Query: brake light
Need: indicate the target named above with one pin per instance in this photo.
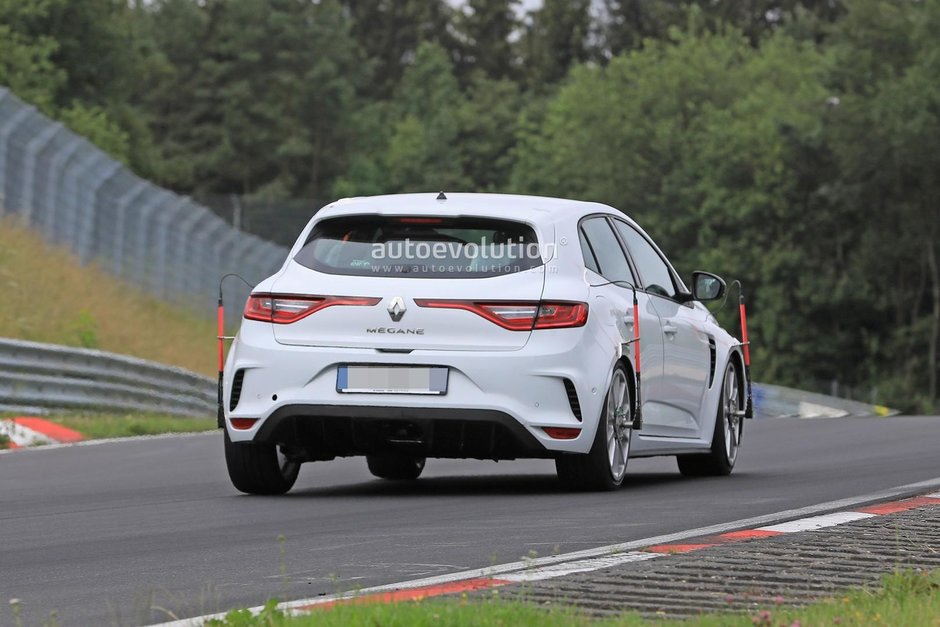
(519, 316)
(420, 220)
(284, 309)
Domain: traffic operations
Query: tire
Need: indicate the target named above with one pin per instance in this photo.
(726, 438)
(395, 467)
(259, 468)
(604, 467)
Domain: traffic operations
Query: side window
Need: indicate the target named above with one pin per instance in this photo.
(654, 273)
(611, 262)
(590, 262)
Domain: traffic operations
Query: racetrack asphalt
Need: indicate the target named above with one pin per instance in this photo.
(107, 534)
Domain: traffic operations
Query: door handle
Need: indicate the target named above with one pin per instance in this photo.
(628, 320)
(669, 329)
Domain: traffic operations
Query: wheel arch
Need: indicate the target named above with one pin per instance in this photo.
(623, 360)
(738, 359)
(631, 376)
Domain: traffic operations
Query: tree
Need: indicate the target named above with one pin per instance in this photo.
(884, 132)
(390, 31)
(322, 70)
(486, 27)
(72, 60)
(628, 23)
(485, 147)
(555, 39)
(410, 143)
(269, 85)
(697, 139)
(26, 57)
(422, 153)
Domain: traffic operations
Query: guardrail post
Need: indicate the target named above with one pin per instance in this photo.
(182, 246)
(147, 217)
(33, 148)
(89, 207)
(117, 256)
(167, 219)
(215, 236)
(70, 193)
(7, 128)
(50, 203)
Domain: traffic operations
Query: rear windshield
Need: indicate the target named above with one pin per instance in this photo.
(420, 247)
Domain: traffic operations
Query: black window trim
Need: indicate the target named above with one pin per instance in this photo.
(583, 233)
(630, 265)
(333, 272)
(676, 282)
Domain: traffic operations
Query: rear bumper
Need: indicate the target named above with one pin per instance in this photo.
(291, 393)
(321, 432)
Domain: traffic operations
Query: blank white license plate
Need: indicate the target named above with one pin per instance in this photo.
(391, 379)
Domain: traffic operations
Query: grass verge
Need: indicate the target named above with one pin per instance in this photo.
(905, 598)
(98, 426)
(95, 426)
(48, 296)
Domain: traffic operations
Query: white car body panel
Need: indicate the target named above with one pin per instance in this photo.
(517, 374)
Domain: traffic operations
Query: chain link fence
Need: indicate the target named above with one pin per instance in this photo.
(77, 196)
(277, 220)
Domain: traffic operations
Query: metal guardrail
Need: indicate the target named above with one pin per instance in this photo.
(774, 401)
(43, 377)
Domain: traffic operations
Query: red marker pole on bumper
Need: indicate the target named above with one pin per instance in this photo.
(220, 418)
(747, 350)
(749, 406)
(638, 413)
(221, 327)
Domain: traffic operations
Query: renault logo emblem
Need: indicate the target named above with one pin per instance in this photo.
(396, 308)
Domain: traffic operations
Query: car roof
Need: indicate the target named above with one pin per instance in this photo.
(535, 209)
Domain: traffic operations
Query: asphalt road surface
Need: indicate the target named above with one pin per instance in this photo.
(129, 533)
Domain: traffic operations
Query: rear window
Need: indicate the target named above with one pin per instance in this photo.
(420, 247)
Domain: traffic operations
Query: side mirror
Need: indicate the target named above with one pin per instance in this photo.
(707, 286)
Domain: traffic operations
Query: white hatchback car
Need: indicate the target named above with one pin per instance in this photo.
(479, 326)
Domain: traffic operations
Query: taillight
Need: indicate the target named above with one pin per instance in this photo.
(519, 316)
(561, 315)
(284, 309)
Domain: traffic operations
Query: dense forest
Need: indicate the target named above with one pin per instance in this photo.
(792, 144)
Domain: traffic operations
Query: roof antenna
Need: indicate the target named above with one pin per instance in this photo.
(441, 196)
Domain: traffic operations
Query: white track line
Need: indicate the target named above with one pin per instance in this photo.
(578, 566)
(817, 522)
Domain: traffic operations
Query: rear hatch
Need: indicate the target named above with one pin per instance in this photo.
(432, 283)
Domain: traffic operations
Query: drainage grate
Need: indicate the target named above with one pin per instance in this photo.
(792, 569)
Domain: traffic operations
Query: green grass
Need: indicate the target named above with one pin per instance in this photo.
(48, 296)
(98, 426)
(906, 598)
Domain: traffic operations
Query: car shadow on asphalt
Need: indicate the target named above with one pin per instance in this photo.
(479, 485)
